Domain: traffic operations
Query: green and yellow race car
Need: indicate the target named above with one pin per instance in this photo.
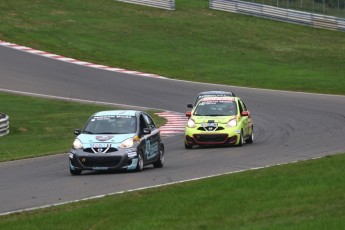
(219, 121)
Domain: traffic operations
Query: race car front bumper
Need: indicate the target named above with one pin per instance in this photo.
(119, 160)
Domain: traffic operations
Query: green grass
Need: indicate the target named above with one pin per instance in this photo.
(192, 43)
(304, 195)
(40, 127)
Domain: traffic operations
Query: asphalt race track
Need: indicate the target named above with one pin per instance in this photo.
(289, 127)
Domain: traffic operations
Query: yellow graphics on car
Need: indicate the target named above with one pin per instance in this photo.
(219, 121)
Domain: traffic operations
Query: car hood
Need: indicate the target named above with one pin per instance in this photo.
(218, 119)
(113, 139)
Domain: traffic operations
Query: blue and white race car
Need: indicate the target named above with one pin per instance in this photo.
(117, 140)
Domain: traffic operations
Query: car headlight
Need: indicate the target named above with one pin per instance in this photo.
(127, 143)
(77, 144)
(232, 123)
(191, 123)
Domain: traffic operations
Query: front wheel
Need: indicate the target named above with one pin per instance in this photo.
(251, 137)
(74, 171)
(240, 143)
(187, 146)
(160, 162)
(140, 164)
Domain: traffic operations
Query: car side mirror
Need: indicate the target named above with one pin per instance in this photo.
(190, 106)
(77, 131)
(245, 113)
(146, 131)
(188, 114)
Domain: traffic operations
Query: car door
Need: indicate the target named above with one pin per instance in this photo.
(151, 139)
(244, 113)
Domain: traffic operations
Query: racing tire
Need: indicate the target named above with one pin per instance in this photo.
(187, 146)
(241, 139)
(250, 139)
(140, 164)
(74, 172)
(160, 162)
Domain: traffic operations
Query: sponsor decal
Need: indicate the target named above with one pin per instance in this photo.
(103, 138)
(100, 145)
(151, 149)
(210, 126)
(100, 168)
(216, 99)
(124, 116)
(101, 118)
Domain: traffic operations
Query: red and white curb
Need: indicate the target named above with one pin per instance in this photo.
(176, 123)
(74, 61)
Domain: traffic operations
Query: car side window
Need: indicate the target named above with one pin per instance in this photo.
(149, 122)
(142, 124)
(242, 106)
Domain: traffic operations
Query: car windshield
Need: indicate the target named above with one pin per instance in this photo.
(216, 108)
(114, 124)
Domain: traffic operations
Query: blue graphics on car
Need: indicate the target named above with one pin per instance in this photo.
(117, 140)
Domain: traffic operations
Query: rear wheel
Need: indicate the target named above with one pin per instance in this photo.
(160, 162)
(140, 164)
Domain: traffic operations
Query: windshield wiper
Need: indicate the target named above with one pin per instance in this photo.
(88, 132)
(209, 115)
(108, 133)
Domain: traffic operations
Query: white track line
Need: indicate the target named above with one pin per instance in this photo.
(148, 187)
